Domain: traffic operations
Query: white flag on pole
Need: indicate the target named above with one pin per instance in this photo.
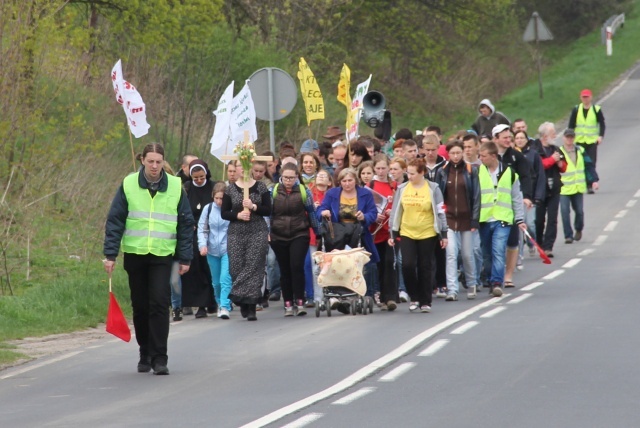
(356, 108)
(222, 130)
(243, 116)
(131, 100)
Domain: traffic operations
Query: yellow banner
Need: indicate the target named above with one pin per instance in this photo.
(344, 93)
(314, 104)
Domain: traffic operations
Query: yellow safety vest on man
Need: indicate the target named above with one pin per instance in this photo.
(573, 179)
(495, 201)
(152, 223)
(587, 128)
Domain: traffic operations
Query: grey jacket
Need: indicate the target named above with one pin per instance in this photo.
(437, 203)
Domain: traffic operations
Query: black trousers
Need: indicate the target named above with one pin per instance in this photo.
(150, 298)
(590, 150)
(291, 256)
(547, 211)
(439, 265)
(417, 268)
(387, 276)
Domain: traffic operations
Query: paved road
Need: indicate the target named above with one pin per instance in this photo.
(560, 352)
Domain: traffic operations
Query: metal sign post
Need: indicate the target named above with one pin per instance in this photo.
(537, 31)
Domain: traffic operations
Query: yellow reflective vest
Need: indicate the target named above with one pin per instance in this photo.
(573, 179)
(152, 223)
(587, 128)
(495, 201)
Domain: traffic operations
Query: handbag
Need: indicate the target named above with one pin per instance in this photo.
(336, 236)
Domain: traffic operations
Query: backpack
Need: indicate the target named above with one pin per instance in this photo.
(274, 192)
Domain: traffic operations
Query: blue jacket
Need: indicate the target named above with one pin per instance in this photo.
(217, 242)
(366, 204)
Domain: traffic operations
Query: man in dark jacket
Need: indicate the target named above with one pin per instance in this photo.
(488, 118)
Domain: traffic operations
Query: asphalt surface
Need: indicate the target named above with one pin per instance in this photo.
(559, 353)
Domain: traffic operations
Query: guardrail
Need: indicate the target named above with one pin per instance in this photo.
(615, 22)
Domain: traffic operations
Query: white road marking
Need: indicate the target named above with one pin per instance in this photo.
(94, 346)
(618, 86)
(38, 365)
(397, 372)
(59, 396)
(586, 252)
(305, 420)
(465, 327)
(631, 203)
(492, 313)
(622, 213)
(370, 369)
(611, 226)
(532, 286)
(600, 240)
(637, 195)
(519, 299)
(571, 263)
(354, 396)
(554, 274)
(433, 348)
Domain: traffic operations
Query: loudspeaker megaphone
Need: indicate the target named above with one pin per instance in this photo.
(373, 105)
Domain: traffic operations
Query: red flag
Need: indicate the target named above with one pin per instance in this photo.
(545, 259)
(116, 322)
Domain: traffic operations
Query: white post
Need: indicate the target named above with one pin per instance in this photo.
(609, 42)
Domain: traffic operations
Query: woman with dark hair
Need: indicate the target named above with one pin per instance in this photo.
(309, 165)
(247, 243)
(358, 153)
(418, 218)
(151, 220)
(292, 214)
(196, 284)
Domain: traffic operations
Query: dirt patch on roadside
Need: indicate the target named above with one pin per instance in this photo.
(38, 347)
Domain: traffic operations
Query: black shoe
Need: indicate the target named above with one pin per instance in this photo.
(244, 310)
(202, 313)
(212, 309)
(578, 235)
(160, 369)
(177, 314)
(265, 302)
(275, 296)
(187, 311)
(144, 365)
(251, 313)
(590, 191)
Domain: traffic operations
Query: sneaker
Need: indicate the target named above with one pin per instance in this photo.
(520, 266)
(451, 297)
(309, 304)
(144, 365)
(404, 297)
(160, 369)
(383, 307)
(441, 292)
(300, 310)
(578, 235)
(376, 299)
(549, 253)
(202, 313)
(414, 306)
(275, 296)
(224, 314)
(496, 291)
(177, 314)
(258, 307)
(391, 305)
(425, 309)
(471, 292)
(568, 241)
(288, 309)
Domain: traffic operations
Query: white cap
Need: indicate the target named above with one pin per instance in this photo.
(498, 129)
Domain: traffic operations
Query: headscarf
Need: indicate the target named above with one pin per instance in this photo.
(199, 196)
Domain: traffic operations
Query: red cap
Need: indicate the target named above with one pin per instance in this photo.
(586, 93)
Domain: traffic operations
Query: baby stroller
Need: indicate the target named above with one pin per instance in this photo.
(341, 267)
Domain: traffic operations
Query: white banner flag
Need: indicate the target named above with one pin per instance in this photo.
(243, 116)
(131, 100)
(222, 130)
(356, 108)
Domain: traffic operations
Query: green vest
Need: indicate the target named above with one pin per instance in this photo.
(587, 127)
(573, 179)
(496, 201)
(152, 223)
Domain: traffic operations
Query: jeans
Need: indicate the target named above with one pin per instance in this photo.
(494, 236)
(308, 276)
(273, 272)
(477, 255)
(176, 285)
(150, 297)
(547, 210)
(566, 203)
(318, 293)
(221, 279)
(370, 273)
(417, 268)
(460, 243)
(590, 150)
(398, 265)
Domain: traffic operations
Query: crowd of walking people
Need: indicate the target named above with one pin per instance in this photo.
(435, 216)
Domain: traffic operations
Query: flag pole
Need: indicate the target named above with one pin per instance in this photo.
(133, 155)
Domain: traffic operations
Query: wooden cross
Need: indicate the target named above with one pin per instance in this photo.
(247, 139)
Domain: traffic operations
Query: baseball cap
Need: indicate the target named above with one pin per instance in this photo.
(569, 132)
(586, 93)
(498, 129)
(309, 146)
